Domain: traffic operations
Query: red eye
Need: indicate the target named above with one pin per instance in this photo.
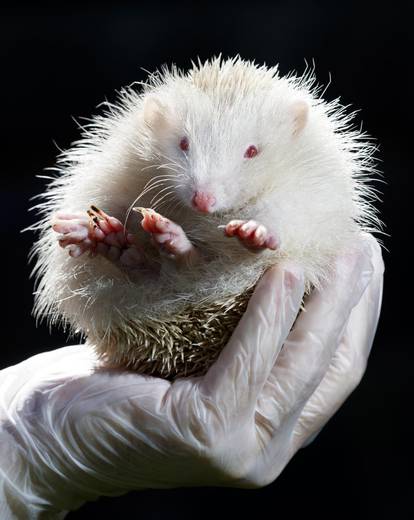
(251, 152)
(184, 144)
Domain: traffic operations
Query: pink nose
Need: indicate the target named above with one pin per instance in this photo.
(203, 201)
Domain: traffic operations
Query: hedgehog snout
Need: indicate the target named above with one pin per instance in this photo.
(203, 201)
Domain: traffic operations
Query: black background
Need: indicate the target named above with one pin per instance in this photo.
(60, 61)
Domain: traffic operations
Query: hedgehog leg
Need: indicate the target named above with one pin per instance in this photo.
(169, 237)
(253, 235)
(96, 233)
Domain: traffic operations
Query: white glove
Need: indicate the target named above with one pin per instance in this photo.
(71, 430)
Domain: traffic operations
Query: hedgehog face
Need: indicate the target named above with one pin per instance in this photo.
(219, 149)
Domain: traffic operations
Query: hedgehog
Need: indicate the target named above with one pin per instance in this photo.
(160, 220)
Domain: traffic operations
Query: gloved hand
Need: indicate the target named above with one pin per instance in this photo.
(71, 430)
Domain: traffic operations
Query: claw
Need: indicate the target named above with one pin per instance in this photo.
(100, 219)
(93, 211)
(143, 211)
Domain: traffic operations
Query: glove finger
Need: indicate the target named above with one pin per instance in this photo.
(313, 340)
(236, 379)
(348, 363)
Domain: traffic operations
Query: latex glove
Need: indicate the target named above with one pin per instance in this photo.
(72, 431)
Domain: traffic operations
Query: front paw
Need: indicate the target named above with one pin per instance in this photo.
(74, 232)
(252, 235)
(167, 236)
(94, 232)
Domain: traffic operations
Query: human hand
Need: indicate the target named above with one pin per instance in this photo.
(72, 430)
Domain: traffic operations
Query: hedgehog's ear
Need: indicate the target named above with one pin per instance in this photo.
(155, 113)
(300, 111)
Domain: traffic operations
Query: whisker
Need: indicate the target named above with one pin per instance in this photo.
(167, 208)
(175, 200)
(156, 167)
(164, 196)
(162, 176)
(153, 186)
(153, 183)
(157, 181)
(169, 166)
(158, 201)
(159, 193)
(143, 192)
(170, 160)
(173, 208)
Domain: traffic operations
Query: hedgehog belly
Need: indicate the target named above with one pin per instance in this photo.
(182, 344)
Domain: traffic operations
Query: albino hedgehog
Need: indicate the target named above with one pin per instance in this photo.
(227, 149)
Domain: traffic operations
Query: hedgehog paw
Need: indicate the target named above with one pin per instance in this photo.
(253, 235)
(168, 237)
(94, 232)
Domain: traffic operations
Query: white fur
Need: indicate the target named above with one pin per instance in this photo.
(308, 185)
